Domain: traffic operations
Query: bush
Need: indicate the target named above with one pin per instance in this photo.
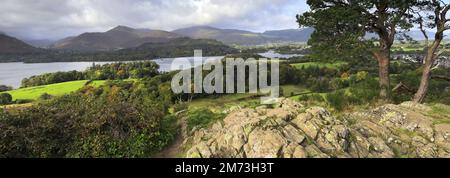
(312, 98)
(22, 101)
(5, 98)
(5, 88)
(337, 100)
(321, 85)
(116, 120)
(180, 106)
(45, 96)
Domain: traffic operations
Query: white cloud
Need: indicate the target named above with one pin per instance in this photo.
(60, 18)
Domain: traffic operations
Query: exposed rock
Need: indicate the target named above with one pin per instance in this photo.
(292, 131)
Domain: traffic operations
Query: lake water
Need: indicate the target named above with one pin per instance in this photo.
(11, 74)
(273, 54)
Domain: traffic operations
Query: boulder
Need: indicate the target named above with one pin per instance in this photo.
(290, 130)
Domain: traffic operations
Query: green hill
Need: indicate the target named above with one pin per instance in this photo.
(59, 89)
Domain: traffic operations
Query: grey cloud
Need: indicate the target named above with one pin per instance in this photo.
(39, 19)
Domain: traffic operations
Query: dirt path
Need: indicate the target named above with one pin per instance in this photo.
(173, 150)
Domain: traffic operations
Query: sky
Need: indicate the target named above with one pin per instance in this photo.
(56, 19)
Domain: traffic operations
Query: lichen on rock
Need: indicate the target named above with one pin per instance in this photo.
(290, 130)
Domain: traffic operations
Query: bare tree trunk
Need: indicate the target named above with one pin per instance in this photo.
(426, 75)
(383, 58)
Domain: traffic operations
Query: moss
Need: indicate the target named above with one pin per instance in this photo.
(407, 132)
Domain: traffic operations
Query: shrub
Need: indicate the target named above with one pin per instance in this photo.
(5, 98)
(22, 101)
(180, 106)
(362, 75)
(45, 96)
(312, 98)
(337, 100)
(117, 120)
(5, 88)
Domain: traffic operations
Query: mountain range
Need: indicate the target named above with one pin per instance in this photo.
(242, 37)
(11, 45)
(120, 37)
(123, 37)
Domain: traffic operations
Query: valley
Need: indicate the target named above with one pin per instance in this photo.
(350, 86)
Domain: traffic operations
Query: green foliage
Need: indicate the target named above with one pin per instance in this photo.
(45, 96)
(118, 71)
(120, 119)
(114, 71)
(341, 26)
(5, 88)
(58, 89)
(359, 93)
(312, 98)
(337, 100)
(180, 106)
(51, 78)
(5, 98)
(201, 118)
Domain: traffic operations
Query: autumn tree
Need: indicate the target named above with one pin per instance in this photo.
(343, 27)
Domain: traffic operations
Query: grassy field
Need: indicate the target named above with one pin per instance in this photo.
(221, 103)
(33, 93)
(335, 65)
(293, 90)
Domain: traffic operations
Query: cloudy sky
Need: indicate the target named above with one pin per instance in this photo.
(55, 19)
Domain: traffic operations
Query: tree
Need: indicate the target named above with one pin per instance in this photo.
(5, 98)
(432, 14)
(5, 88)
(343, 25)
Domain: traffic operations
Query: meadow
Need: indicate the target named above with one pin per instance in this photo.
(59, 89)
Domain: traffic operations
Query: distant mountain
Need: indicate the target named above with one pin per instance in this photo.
(179, 47)
(39, 43)
(11, 45)
(176, 47)
(227, 36)
(418, 35)
(241, 37)
(119, 37)
(414, 34)
(293, 35)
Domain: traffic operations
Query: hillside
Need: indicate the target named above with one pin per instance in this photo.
(241, 37)
(179, 47)
(58, 89)
(227, 36)
(293, 131)
(11, 45)
(168, 48)
(119, 37)
(293, 35)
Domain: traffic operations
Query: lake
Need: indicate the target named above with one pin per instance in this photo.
(273, 54)
(11, 74)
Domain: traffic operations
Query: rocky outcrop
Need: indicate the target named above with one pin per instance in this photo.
(292, 131)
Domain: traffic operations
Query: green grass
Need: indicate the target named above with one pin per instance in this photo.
(293, 90)
(224, 102)
(441, 113)
(218, 104)
(335, 65)
(59, 89)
